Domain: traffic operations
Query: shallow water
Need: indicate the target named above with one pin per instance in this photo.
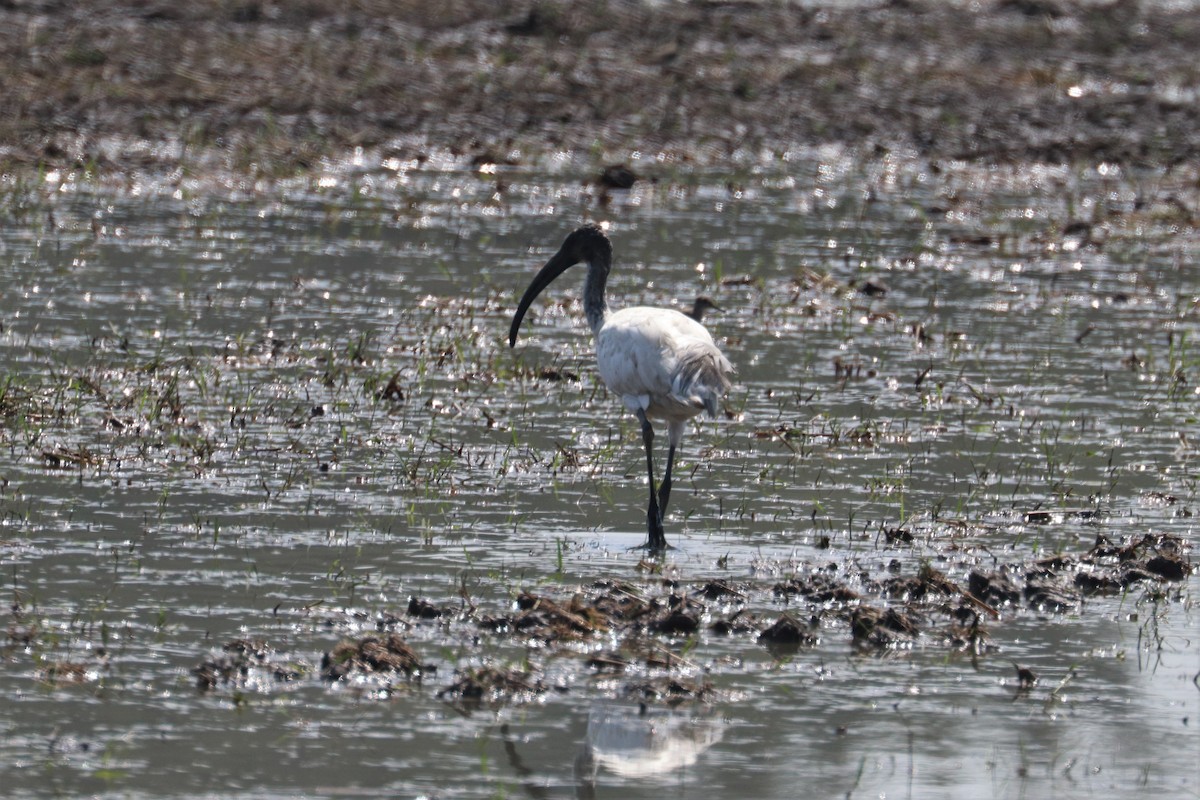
(197, 450)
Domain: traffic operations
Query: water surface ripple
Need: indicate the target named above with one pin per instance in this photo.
(277, 417)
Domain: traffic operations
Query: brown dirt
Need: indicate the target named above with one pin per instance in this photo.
(262, 88)
(647, 627)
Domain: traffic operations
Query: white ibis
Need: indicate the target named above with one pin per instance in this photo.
(661, 363)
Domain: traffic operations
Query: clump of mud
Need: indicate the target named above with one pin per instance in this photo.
(787, 636)
(386, 655)
(634, 639)
(240, 663)
(70, 673)
(492, 686)
(671, 692)
(1110, 568)
(885, 627)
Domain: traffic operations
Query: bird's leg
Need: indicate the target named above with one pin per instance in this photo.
(674, 437)
(664, 488)
(658, 539)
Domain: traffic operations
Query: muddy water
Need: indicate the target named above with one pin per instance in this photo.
(277, 414)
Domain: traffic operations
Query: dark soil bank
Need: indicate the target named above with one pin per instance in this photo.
(269, 88)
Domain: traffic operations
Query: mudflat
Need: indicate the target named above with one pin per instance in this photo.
(272, 88)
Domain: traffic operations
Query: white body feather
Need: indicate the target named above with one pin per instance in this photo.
(662, 362)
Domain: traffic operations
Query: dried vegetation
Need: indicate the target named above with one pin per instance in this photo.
(272, 88)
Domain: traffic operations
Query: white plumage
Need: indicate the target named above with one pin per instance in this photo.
(661, 363)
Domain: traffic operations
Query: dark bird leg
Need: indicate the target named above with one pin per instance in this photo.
(664, 488)
(674, 437)
(658, 539)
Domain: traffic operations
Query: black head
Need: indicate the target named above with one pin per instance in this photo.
(702, 305)
(586, 244)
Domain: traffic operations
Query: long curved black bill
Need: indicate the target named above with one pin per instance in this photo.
(559, 263)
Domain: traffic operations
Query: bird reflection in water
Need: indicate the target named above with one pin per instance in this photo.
(638, 742)
(626, 741)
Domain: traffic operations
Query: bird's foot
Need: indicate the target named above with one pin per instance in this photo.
(658, 538)
(653, 549)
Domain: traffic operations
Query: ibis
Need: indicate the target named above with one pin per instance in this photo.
(702, 305)
(662, 363)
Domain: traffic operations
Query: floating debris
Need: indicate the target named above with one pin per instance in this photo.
(558, 374)
(672, 691)
(617, 176)
(617, 627)
(1110, 567)
(1026, 678)
(1047, 516)
(786, 636)
(926, 583)
(1049, 594)
(393, 391)
(871, 287)
(719, 590)
(423, 609)
(740, 622)
(890, 628)
(996, 588)
(372, 655)
(67, 673)
(240, 661)
(608, 662)
(678, 622)
(492, 686)
(818, 588)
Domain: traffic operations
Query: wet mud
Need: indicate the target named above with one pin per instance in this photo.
(645, 630)
(267, 90)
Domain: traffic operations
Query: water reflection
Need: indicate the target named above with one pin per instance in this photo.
(639, 742)
(631, 747)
